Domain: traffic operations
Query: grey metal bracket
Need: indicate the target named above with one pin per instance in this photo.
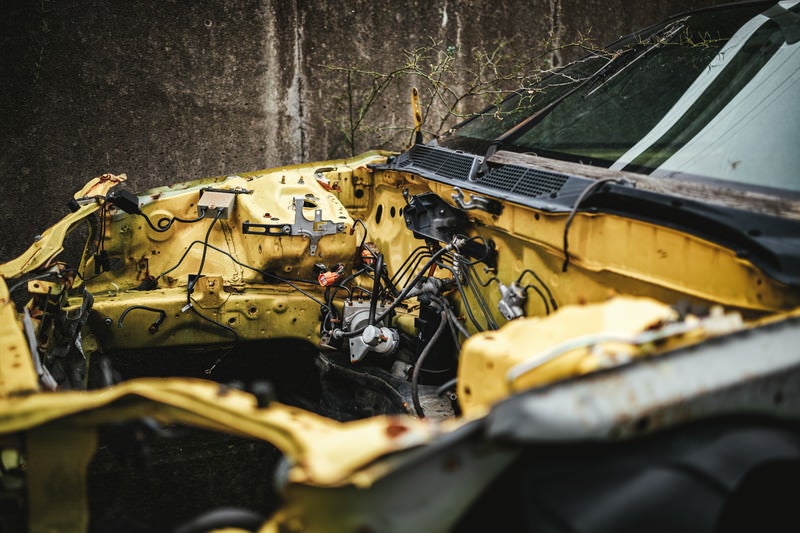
(476, 202)
(313, 229)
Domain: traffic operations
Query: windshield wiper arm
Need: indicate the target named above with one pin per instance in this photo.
(603, 75)
(632, 55)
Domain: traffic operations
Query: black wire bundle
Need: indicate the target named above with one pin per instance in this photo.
(165, 223)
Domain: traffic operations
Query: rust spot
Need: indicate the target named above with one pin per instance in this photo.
(155, 196)
(100, 181)
(395, 429)
(142, 269)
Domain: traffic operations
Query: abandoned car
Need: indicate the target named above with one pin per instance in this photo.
(578, 310)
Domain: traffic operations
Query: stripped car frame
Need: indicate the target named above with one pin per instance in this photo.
(435, 336)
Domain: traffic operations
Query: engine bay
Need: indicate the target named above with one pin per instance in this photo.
(588, 290)
(353, 287)
(354, 322)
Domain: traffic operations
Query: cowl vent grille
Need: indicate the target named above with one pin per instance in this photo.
(443, 163)
(527, 185)
(524, 181)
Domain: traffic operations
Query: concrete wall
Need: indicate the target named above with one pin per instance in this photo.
(174, 90)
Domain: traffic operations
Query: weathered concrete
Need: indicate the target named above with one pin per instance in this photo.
(175, 90)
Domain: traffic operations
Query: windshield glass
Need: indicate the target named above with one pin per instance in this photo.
(712, 94)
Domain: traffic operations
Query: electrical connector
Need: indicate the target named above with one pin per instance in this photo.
(124, 200)
(212, 202)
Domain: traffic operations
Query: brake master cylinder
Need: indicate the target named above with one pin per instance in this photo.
(373, 338)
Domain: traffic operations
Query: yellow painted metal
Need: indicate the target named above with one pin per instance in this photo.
(610, 255)
(256, 312)
(60, 430)
(42, 252)
(243, 298)
(209, 292)
(387, 228)
(265, 197)
(237, 257)
(487, 358)
(17, 374)
(38, 286)
(322, 451)
(626, 256)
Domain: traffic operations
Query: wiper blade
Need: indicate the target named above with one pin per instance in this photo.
(603, 75)
(632, 55)
(521, 128)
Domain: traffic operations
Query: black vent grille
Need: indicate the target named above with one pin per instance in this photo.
(526, 185)
(524, 181)
(443, 163)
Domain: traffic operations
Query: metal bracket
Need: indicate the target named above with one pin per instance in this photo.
(476, 202)
(209, 292)
(512, 301)
(313, 229)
